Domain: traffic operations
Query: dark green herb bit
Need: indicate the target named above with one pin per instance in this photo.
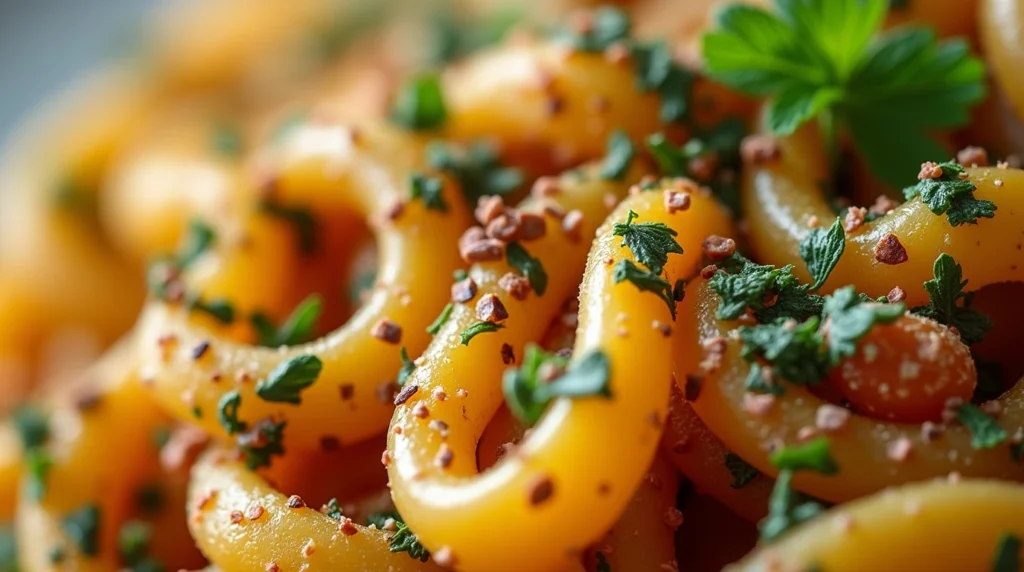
(952, 195)
(286, 381)
(407, 368)
(133, 546)
(527, 393)
(1007, 554)
(477, 329)
(419, 105)
(786, 508)
(33, 429)
(227, 412)
(333, 510)
(945, 291)
(816, 455)
(602, 562)
(528, 266)
(850, 319)
(607, 26)
(455, 36)
(197, 412)
(150, 498)
(403, 540)
(429, 190)
(626, 271)
(821, 250)
(441, 319)
(301, 218)
(744, 285)
(200, 238)
(262, 442)
(985, 431)
(477, 169)
(298, 328)
(657, 70)
(650, 242)
(795, 350)
(8, 550)
(380, 519)
(57, 555)
(675, 161)
(82, 528)
(742, 472)
(220, 310)
(619, 155)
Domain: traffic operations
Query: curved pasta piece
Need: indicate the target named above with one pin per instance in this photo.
(534, 493)
(860, 447)
(785, 195)
(876, 533)
(999, 30)
(241, 523)
(325, 170)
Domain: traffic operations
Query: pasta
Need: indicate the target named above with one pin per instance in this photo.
(361, 286)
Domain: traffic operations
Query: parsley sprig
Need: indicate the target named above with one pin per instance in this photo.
(952, 195)
(650, 243)
(786, 507)
(821, 250)
(950, 305)
(827, 59)
(527, 394)
(285, 382)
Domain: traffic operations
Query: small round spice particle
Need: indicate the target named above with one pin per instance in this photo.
(531, 226)
(718, 248)
(896, 295)
(421, 411)
(540, 490)
(760, 149)
(673, 518)
(385, 458)
(490, 309)
(972, 157)
(545, 187)
(505, 227)
(440, 426)
(890, 250)
(236, 516)
(387, 331)
(272, 567)
(708, 271)
(295, 501)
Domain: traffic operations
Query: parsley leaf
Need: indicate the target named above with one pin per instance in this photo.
(528, 266)
(985, 431)
(82, 527)
(952, 196)
(403, 540)
(742, 472)
(821, 250)
(429, 189)
(608, 27)
(645, 280)
(657, 70)
(795, 350)
(284, 383)
(199, 239)
(262, 442)
(650, 242)
(850, 319)
(945, 292)
(302, 219)
(1007, 555)
(441, 319)
(813, 456)
(476, 168)
(333, 510)
(296, 329)
(749, 286)
(219, 309)
(618, 157)
(674, 161)
(826, 58)
(476, 329)
(528, 394)
(407, 368)
(227, 412)
(786, 508)
(419, 105)
(133, 541)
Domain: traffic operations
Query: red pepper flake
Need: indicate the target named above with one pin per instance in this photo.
(760, 149)
(385, 458)
(440, 426)
(488, 208)
(896, 295)
(295, 501)
(407, 391)
(929, 170)
(718, 248)
(346, 527)
(517, 286)
(490, 309)
(463, 291)
(508, 356)
(972, 157)
(347, 391)
(676, 201)
(540, 490)
(854, 218)
(444, 456)
(387, 331)
(439, 394)
(890, 251)
(272, 567)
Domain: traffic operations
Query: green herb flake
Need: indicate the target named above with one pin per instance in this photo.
(946, 291)
(795, 350)
(429, 190)
(477, 169)
(645, 280)
(37, 467)
(219, 309)
(952, 195)
(82, 528)
(476, 329)
(403, 540)
(420, 105)
(657, 71)
(815, 455)
(261, 443)
(851, 318)
(528, 395)
(821, 250)
(528, 266)
(150, 498)
(441, 319)
(1007, 555)
(742, 472)
(407, 368)
(298, 328)
(618, 157)
(8, 550)
(744, 285)
(607, 26)
(650, 242)
(227, 412)
(300, 218)
(786, 508)
(197, 242)
(286, 381)
(133, 542)
(333, 510)
(985, 431)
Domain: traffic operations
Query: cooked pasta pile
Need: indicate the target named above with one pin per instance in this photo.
(661, 286)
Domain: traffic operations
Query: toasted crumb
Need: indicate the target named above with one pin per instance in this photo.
(718, 248)
(972, 157)
(760, 149)
(890, 250)
(387, 331)
(929, 170)
(854, 218)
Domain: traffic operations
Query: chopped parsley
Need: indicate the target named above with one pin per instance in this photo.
(722, 143)
(441, 319)
(227, 413)
(199, 239)
(826, 59)
(674, 161)
(298, 328)
(82, 528)
(946, 291)
(650, 242)
(618, 157)
(33, 429)
(219, 309)
(528, 266)
(850, 319)
(645, 280)
(821, 250)
(795, 351)
(419, 105)
(133, 546)
(301, 218)
(952, 196)
(985, 431)
(746, 285)
(333, 510)
(476, 329)
(657, 71)
(286, 381)
(261, 443)
(816, 455)
(150, 498)
(742, 472)
(609, 26)
(1007, 554)
(476, 168)
(403, 540)
(407, 368)
(527, 392)
(428, 189)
